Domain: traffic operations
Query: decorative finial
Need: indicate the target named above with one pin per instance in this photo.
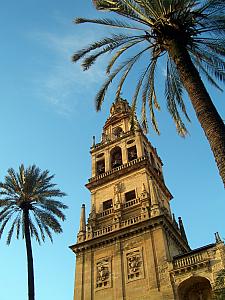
(182, 230)
(82, 219)
(218, 238)
(93, 144)
(82, 231)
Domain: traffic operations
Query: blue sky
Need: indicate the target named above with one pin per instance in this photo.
(47, 117)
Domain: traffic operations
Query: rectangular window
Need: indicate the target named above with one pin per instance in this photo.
(130, 195)
(107, 204)
(100, 166)
(132, 153)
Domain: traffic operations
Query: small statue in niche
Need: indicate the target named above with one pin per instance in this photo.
(117, 217)
(118, 188)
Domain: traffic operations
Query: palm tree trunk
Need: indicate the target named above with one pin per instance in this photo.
(30, 267)
(209, 118)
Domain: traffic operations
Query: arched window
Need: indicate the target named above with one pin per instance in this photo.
(116, 157)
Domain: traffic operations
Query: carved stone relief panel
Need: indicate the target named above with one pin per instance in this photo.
(103, 273)
(163, 271)
(134, 264)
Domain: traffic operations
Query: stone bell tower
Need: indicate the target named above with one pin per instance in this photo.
(126, 249)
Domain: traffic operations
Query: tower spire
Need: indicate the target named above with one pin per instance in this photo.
(218, 238)
(82, 231)
(182, 230)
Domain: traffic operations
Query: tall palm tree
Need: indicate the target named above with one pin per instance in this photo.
(27, 204)
(188, 36)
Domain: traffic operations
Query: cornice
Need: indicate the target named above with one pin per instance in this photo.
(131, 230)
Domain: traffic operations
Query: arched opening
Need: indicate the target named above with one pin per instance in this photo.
(195, 288)
(116, 157)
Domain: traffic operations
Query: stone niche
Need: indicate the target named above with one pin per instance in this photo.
(134, 264)
(103, 273)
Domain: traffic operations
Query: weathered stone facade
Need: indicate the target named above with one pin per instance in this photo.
(132, 247)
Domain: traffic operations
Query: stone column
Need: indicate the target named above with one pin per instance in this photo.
(124, 153)
(107, 160)
(93, 168)
(139, 145)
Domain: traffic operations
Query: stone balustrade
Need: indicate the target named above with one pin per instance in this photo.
(103, 231)
(190, 260)
(112, 139)
(125, 205)
(131, 203)
(131, 221)
(105, 213)
(110, 228)
(130, 163)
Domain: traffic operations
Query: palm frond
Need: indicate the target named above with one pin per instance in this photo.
(125, 8)
(113, 40)
(107, 22)
(90, 60)
(4, 223)
(172, 94)
(33, 231)
(15, 222)
(120, 52)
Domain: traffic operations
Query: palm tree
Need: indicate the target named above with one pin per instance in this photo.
(27, 200)
(188, 36)
(219, 286)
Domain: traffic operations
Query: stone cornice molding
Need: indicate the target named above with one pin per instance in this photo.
(131, 230)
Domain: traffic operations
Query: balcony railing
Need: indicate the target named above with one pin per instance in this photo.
(105, 212)
(110, 211)
(131, 203)
(130, 163)
(131, 221)
(114, 227)
(190, 260)
(112, 139)
(103, 230)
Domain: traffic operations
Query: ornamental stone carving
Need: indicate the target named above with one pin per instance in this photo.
(103, 273)
(134, 264)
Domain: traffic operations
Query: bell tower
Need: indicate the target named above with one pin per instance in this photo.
(126, 247)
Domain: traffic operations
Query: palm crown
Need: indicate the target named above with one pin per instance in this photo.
(167, 27)
(189, 34)
(30, 193)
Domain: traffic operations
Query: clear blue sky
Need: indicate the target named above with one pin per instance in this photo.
(47, 117)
